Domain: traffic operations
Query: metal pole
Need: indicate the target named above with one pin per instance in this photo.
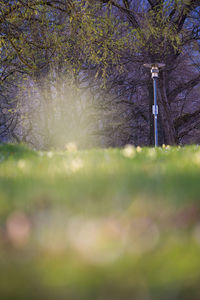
(155, 112)
(154, 72)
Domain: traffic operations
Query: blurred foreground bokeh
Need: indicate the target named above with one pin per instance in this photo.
(101, 224)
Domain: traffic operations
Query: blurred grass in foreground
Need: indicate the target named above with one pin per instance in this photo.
(100, 224)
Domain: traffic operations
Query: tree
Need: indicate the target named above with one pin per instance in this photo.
(162, 31)
(112, 38)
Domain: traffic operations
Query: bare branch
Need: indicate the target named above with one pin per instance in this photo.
(182, 87)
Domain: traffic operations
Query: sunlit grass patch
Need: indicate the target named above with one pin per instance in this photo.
(103, 224)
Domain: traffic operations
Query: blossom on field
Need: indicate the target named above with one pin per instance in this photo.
(100, 241)
(18, 228)
(50, 154)
(196, 233)
(76, 165)
(21, 164)
(129, 151)
(71, 147)
(196, 158)
(151, 153)
(138, 149)
(166, 147)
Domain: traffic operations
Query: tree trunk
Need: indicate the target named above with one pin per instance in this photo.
(166, 113)
(151, 121)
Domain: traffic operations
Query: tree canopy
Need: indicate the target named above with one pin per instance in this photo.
(109, 40)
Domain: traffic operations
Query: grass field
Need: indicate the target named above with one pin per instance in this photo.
(107, 224)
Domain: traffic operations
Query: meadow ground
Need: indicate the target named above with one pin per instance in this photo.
(103, 224)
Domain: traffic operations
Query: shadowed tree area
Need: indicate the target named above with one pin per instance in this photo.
(98, 48)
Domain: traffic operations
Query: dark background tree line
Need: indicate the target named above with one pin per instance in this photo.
(73, 70)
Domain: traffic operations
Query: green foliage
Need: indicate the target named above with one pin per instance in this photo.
(16, 151)
(158, 35)
(93, 32)
(104, 224)
(100, 35)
